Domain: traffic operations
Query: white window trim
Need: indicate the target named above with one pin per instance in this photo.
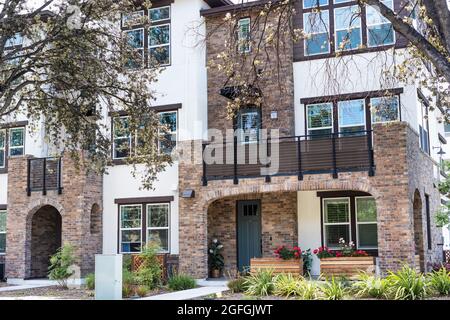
(358, 223)
(148, 228)
(240, 34)
(10, 147)
(128, 229)
(130, 142)
(338, 223)
(139, 12)
(171, 132)
(336, 46)
(394, 39)
(169, 44)
(159, 8)
(140, 48)
(315, 6)
(372, 111)
(352, 125)
(321, 128)
(305, 52)
(4, 148)
(3, 232)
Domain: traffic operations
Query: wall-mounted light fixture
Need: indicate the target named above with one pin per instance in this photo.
(188, 193)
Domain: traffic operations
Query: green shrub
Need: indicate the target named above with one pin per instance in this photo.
(60, 264)
(237, 285)
(127, 278)
(90, 281)
(440, 281)
(126, 262)
(369, 286)
(142, 291)
(127, 290)
(260, 283)
(308, 290)
(287, 285)
(334, 289)
(181, 282)
(406, 284)
(149, 273)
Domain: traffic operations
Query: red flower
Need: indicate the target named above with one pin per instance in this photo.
(316, 251)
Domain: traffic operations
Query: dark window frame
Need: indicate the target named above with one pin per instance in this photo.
(428, 217)
(7, 127)
(424, 107)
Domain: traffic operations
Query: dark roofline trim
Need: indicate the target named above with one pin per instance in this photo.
(235, 7)
(167, 107)
(218, 3)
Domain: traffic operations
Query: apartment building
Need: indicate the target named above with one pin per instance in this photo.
(345, 169)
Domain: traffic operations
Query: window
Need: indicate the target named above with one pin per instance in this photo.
(320, 120)
(16, 141)
(158, 224)
(249, 124)
(314, 3)
(159, 45)
(424, 127)
(156, 38)
(446, 128)
(379, 29)
(168, 141)
(336, 217)
(130, 228)
(244, 44)
(2, 231)
(347, 28)
(352, 119)
(122, 138)
(385, 109)
(15, 41)
(2, 148)
(316, 25)
(366, 223)
(427, 209)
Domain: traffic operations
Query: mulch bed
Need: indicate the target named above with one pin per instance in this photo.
(52, 292)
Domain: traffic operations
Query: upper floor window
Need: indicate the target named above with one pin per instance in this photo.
(320, 119)
(314, 3)
(14, 41)
(122, 138)
(2, 231)
(447, 128)
(317, 26)
(385, 109)
(152, 43)
(243, 35)
(16, 141)
(249, 124)
(379, 30)
(168, 140)
(2, 148)
(424, 127)
(347, 28)
(352, 117)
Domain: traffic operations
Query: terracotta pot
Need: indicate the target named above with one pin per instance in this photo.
(215, 273)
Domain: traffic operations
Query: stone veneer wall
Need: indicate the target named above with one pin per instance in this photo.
(400, 168)
(278, 222)
(80, 192)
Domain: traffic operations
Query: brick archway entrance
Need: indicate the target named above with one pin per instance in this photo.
(46, 239)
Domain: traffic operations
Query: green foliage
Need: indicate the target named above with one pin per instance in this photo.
(439, 281)
(368, 286)
(334, 289)
(308, 290)
(287, 285)
(181, 282)
(260, 283)
(150, 272)
(127, 291)
(126, 262)
(406, 284)
(307, 261)
(442, 217)
(127, 277)
(90, 281)
(237, 285)
(60, 264)
(216, 260)
(142, 291)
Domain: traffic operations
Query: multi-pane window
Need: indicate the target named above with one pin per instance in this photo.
(347, 27)
(366, 223)
(424, 127)
(168, 140)
(2, 148)
(385, 109)
(314, 3)
(2, 231)
(158, 224)
(152, 43)
(379, 30)
(320, 120)
(16, 141)
(14, 41)
(249, 124)
(130, 228)
(122, 138)
(352, 119)
(317, 26)
(243, 35)
(336, 221)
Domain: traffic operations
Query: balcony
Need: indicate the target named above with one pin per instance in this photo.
(44, 174)
(296, 155)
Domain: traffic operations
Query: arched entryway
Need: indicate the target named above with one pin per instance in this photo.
(45, 239)
(418, 230)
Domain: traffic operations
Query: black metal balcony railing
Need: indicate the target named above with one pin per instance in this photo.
(44, 174)
(297, 155)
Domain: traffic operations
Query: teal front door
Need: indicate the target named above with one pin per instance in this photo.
(248, 232)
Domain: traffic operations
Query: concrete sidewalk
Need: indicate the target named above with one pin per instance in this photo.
(24, 287)
(188, 294)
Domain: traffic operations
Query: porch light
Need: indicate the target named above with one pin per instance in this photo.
(188, 193)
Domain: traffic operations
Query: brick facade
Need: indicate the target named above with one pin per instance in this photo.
(81, 191)
(401, 168)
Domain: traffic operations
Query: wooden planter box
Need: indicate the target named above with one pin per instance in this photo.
(346, 266)
(294, 266)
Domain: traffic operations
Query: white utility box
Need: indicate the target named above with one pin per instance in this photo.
(108, 277)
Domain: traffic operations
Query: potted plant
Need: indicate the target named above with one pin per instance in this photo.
(216, 260)
(286, 260)
(344, 262)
